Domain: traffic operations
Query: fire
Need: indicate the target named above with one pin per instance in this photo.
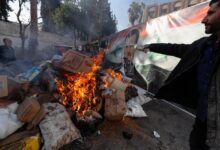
(79, 91)
(114, 74)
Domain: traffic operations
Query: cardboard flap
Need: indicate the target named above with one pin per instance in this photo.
(3, 86)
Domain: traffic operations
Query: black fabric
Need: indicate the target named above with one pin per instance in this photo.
(180, 86)
(198, 136)
(181, 90)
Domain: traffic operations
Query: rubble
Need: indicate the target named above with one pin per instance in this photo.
(57, 128)
(33, 74)
(88, 124)
(115, 107)
(75, 62)
(114, 83)
(14, 68)
(17, 137)
(37, 119)
(28, 109)
(27, 140)
(3, 86)
(8, 86)
(62, 117)
(39, 89)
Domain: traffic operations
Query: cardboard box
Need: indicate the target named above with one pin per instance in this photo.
(8, 85)
(37, 119)
(115, 106)
(3, 86)
(114, 83)
(75, 62)
(28, 109)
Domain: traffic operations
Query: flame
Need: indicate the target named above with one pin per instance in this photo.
(80, 89)
(114, 74)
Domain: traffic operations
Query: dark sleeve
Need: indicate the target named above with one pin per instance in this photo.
(177, 50)
(13, 54)
(1, 52)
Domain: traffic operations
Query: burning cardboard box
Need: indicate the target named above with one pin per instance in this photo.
(76, 62)
(115, 107)
(79, 90)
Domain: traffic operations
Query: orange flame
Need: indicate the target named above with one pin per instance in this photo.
(80, 89)
(114, 74)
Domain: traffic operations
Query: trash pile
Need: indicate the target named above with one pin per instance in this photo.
(63, 100)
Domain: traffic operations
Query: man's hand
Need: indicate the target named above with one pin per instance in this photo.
(144, 48)
(131, 49)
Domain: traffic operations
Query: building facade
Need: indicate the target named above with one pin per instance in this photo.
(154, 11)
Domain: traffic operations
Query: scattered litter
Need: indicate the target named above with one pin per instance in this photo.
(141, 99)
(22, 141)
(157, 135)
(134, 109)
(98, 132)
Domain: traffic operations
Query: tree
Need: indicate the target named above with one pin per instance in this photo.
(4, 9)
(48, 8)
(142, 12)
(135, 12)
(89, 9)
(85, 18)
(33, 41)
(22, 26)
(106, 21)
(67, 18)
(99, 17)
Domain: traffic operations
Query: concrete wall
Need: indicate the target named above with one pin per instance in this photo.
(45, 39)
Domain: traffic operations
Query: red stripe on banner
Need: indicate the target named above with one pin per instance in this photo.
(187, 16)
(199, 15)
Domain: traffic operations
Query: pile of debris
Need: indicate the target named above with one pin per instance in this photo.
(63, 100)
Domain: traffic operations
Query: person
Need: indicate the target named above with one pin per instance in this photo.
(7, 53)
(195, 81)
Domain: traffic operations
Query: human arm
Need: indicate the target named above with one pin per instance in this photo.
(177, 50)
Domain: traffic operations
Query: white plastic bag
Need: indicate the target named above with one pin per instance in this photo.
(134, 109)
(9, 122)
(141, 99)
